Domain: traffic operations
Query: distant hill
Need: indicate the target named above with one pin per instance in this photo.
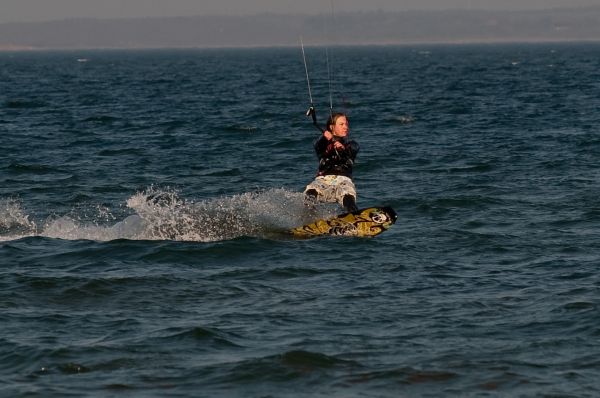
(358, 28)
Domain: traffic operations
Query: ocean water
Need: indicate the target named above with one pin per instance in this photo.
(143, 195)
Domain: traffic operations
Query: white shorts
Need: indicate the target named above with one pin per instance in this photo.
(332, 188)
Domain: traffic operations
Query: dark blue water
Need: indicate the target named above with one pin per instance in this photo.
(488, 285)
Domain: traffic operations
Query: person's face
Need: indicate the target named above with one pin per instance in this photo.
(340, 128)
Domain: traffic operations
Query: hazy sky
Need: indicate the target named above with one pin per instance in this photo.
(40, 10)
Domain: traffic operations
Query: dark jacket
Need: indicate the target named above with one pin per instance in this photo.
(336, 162)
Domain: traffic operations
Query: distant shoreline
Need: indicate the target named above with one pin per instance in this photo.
(273, 30)
(15, 49)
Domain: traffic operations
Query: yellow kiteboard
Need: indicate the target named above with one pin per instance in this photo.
(361, 223)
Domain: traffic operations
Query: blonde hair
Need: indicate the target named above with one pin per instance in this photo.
(333, 119)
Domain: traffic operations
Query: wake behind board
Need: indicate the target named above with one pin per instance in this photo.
(366, 222)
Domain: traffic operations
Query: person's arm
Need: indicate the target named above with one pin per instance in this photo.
(322, 143)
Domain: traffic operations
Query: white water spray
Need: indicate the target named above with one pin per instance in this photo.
(164, 215)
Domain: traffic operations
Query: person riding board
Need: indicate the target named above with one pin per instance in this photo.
(336, 153)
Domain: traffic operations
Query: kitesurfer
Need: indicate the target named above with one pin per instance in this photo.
(336, 153)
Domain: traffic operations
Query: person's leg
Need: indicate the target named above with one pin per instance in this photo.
(310, 197)
(318, 191)
(311, 193)
(349, 203)
(346, 194)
